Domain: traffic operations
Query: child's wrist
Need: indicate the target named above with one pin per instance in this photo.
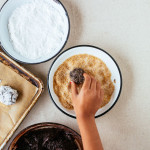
(85, 117)
(85, 121)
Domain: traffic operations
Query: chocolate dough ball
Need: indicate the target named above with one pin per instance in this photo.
(8, 95)
(76, 75)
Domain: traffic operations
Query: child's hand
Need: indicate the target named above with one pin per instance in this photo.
(88, 101)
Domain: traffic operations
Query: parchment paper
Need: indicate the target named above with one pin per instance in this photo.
(9, 115)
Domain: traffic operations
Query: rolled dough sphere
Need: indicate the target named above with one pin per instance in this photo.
(8, 95)
(76, 75)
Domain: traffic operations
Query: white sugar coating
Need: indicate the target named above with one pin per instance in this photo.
(8, 95)
(38, 28)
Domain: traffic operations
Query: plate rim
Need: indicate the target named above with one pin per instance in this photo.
(121, 80)
(24, 62)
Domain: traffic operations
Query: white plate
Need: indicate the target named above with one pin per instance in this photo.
(5, 43)
(108, 60)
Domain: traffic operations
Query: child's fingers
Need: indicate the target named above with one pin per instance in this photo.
(102, 95)
(93, 83)
(73, 89)
(98, 87)
(87, 81)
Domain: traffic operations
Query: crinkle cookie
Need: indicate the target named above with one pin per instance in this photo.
(8, 95)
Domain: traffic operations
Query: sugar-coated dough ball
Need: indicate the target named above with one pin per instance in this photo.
(8, 95)
(76, 75)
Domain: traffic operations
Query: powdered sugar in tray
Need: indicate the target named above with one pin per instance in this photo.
(38, 28)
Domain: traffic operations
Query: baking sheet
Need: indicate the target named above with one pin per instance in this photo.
(11, 115)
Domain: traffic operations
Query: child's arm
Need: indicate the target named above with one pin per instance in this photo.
(86, 103)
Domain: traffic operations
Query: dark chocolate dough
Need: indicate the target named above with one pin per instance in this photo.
(47, 139)
(76, 75)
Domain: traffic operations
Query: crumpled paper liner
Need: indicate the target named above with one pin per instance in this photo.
(9, 115)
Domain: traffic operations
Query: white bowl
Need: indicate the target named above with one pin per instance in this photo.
(5, 43)
(95, 51)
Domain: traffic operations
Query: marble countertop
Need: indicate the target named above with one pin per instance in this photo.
(122, 28)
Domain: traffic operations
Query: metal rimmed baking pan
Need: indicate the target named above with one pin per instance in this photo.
(27, 77)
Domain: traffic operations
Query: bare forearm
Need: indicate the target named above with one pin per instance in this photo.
(90, 136)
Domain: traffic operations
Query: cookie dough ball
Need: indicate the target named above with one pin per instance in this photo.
(8, 96)
(76, 75)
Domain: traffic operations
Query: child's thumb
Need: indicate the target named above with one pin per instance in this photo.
(73, 89)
